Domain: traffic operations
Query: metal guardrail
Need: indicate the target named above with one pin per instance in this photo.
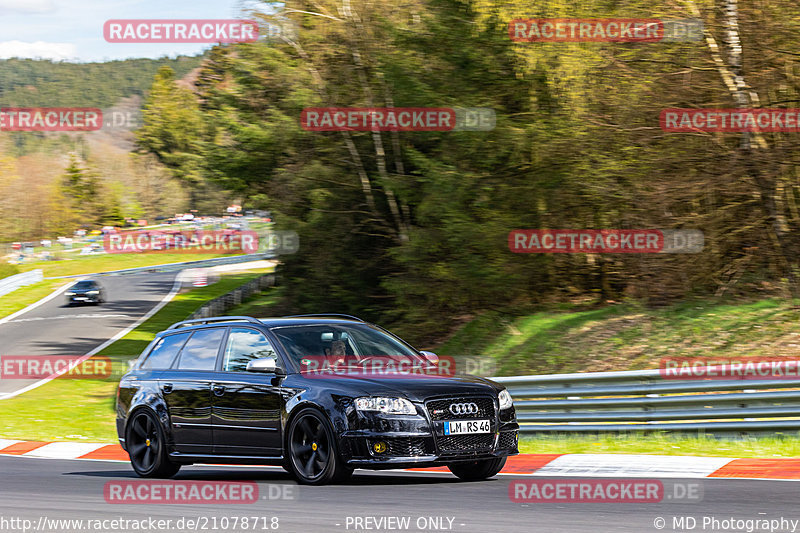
(645, 400)
(16, 281)
(219, 306)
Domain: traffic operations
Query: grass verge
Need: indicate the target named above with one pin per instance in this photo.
(76, 265)
(83, 409)
(25, 296)
(767, 446)
(628, 336)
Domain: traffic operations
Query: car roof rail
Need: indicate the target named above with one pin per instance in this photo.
(326, 315)
(196, 321)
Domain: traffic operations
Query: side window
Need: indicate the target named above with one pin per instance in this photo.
(163, 353)
(245, 345)
(200, 353)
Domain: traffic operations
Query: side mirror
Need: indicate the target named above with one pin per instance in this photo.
(265, 366)
(430, 356)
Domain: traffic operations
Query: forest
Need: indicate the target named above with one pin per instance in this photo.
(412, 228)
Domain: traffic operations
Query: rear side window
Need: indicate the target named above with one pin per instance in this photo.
(245, 345)
(163, 353)
(200, 353)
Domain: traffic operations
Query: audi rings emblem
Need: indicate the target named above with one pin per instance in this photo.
(470, 408)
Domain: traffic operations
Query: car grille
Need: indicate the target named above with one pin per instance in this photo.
(458, 444)
(440, 409)
(508, 440)
(466, 443)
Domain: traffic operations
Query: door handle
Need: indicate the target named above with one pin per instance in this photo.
(166, 387)
(219, 390)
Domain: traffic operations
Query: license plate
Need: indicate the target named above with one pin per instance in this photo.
(464, 427)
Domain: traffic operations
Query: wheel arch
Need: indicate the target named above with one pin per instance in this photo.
(162, 417)
(336, 419)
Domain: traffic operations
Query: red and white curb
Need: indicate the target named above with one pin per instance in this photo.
(545, 465)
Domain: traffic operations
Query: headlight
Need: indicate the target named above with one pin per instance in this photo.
(93, 292)
(505, 399)
(69, 294)
(391, 406)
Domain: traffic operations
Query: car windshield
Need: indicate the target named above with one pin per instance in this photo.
(84, 285)
(357, 341)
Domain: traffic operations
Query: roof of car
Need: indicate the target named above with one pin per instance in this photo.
(305, 321)
(295, 320)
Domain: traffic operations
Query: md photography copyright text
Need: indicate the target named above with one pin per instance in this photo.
(726, 523)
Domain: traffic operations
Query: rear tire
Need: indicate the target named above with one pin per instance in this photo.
(477, 470)
(312, 455)
(147, 447)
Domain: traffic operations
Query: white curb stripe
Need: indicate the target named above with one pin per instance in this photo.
(658, 466)
(5, 443)
(64, 450)
(589, 465)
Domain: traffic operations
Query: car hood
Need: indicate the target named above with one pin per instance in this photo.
(413, 388)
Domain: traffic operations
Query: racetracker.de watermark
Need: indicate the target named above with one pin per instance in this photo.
(398, 119)
(605, 241)
(370, 366)
(734, 120)
(705, 368)
(180, 31)
(52, 366)
(618, 30)
(50, 119)
(573, 490)
(187, 492)
(198, 241)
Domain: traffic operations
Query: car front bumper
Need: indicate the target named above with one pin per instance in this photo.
(380, 441)
(83, 298)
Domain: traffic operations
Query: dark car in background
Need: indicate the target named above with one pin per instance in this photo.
(86, 291)
(239, 390)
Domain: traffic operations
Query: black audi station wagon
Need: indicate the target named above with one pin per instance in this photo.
(241, 390)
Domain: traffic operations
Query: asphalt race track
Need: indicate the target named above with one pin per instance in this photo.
(60, 489)
(36, 493)
(54, 328)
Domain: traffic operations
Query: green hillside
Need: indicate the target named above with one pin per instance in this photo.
(31, 83)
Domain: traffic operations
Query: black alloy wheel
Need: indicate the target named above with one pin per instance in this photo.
(313, 457)
(147, 447)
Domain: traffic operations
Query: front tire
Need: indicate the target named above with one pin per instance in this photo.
(147, 447)
(477, 470)
(312, 454)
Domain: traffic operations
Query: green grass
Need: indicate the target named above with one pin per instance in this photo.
(83, 409)
(62, 410)
(772, 446)
(74, 265)
(7, 269)
(628, 336)
(260, 305)
(23, 297)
